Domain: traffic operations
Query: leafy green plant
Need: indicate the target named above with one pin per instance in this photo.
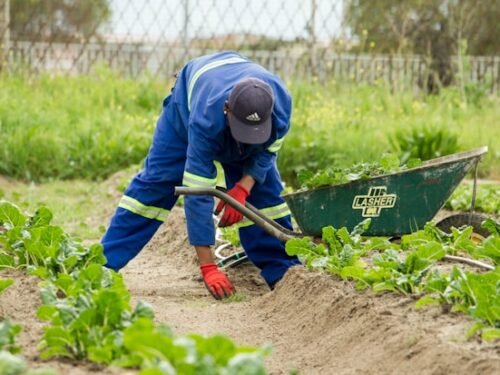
(155, 348)
(11, 364)
(44, 249)
(424, 143)
(487, 199)
(407, 267)
(231, 235)
(44, 134)
(471, 293)
(389, 163)
(8, 333)
(89, 312)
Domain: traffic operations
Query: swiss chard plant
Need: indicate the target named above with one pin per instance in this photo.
(487, 199)
(389, 163)
(89, 313)
(409, 267)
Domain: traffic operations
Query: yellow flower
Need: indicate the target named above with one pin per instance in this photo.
(365, 32)
(372, 44)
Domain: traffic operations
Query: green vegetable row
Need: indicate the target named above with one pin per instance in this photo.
(409, 267)
(487, 199)
(88, 308)
(10, 362)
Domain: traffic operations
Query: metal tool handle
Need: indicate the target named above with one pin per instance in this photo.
(249, 211)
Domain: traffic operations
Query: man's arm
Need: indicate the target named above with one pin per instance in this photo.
(205, 255)
(200, 171)
(247, 182)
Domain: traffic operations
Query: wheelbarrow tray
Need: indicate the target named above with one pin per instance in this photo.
(397, 203)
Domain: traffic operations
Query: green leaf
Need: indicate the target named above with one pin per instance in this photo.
(46, 312)
(43, 244)
(491, 226)
(48, 294)
(490, 248)
(143, 310)
(476, 327)
(431, 251)
(58, 341)
(361, 228)
(490, 334)
(4, 284)
(96, 255)
(159, 369)
(356, 273)
(329, 235)
(42, 217)
(247, 364)
(55, 351)
(64, 282)
(483, 296)
(426, 301)
(6, 261)
(413, 163)
(92, 277)
(303, 176)
(10, 216)
(344, 237)
(110, 306)
(299, 246)
(220, 348)
(385, 286)
(41, 272)
(100, 354)
(8, 333)
(11, 364)
(144, 341)
(390, 162)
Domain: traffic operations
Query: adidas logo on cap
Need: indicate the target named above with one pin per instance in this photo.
(253, 117)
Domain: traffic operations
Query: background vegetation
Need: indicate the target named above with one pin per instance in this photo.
(62, 127)
(67, 127)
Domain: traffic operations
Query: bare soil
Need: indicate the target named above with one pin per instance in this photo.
(316, 324)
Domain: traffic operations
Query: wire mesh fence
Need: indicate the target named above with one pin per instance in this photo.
(301, 39)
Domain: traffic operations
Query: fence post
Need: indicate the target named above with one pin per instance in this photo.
(185, 30)
(311, 29)
(4, 33)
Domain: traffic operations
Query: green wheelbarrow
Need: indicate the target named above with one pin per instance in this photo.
(397, 203)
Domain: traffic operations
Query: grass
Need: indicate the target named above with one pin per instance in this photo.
(77, 205)
(82, 207)
(75, 127)
(88, 127)
(236, 297)
(340, 124)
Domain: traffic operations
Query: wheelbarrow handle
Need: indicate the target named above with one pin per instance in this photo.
(249, 211)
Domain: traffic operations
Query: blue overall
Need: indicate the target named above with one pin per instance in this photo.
(191, 133)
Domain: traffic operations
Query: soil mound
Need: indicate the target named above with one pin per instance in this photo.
(328, 327)
(316, 324)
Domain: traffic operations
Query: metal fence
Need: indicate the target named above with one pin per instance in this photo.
(303, 39)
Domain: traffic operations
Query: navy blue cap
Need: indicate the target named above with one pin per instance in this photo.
(250, 108)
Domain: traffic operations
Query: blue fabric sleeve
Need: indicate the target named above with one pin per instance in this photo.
(259, 165)
(200, 171)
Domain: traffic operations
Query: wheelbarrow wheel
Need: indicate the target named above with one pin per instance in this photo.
(459, 220)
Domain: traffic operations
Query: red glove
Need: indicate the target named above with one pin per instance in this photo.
(231, 215)
(216, 282)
